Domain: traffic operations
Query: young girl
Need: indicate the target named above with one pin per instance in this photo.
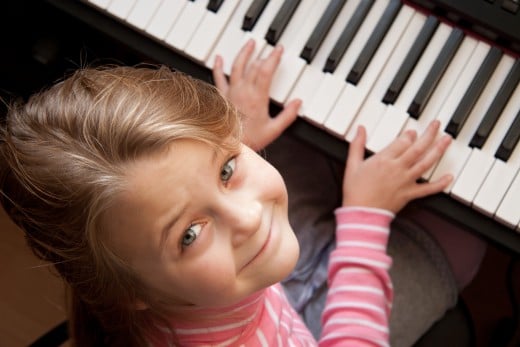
(168, 230)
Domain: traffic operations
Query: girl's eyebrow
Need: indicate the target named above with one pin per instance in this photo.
(172, 221)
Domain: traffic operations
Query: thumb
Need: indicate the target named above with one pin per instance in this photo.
(356, 151)
(287, 116)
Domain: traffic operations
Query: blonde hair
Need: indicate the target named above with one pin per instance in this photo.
(64, 155)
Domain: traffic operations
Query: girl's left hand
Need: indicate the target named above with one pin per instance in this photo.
(248, 90)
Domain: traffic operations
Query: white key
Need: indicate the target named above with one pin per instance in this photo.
(396, 116)
(121, 8)
(143, 12)
(481, 161)
(374, 70)
(100, 3)
(502, 173)
(234, 37)
(373, 108)
(165, 17)
(507, 212)
(262, 26)
(209, 31)
(452, 101)
(293, 40)
(444, 87)
(306, 85)
(459, 151)
(340, 120)
(325, 100)
(387, 129)
(186, 24)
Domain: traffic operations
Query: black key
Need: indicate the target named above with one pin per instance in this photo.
(281, 20)
(322, 28)
(347, 35)
(510, 141)
(253, 13)
(411, 59)
(496, 107)
(473, 92)
(434, 75)
(374, 41)
(214, 5)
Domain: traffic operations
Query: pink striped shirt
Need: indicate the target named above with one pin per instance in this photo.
(358, 301)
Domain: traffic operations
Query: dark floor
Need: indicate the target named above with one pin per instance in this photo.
(39, 45)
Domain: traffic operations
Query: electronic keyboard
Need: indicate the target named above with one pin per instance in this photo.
(388, 65)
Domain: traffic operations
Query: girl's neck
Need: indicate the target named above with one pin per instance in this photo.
(242, 310)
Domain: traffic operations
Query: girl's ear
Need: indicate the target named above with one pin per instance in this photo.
(140, 305)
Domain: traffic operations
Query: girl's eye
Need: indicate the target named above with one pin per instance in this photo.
(191, 234)
(227, 170)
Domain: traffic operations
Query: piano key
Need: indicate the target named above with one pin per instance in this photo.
(100, 3)
(459, 151)
(121, 8)
(283, 17)
(444, 86)
(347, 35)
(507, 212)
(209, 30)
(253, 13)
(376, 66)
(232, 39)
(373, 107)
(293, 39)
(187, 23)
(473, 92)
(214, 5)
(481, 159)
(322, 28)
(165, 17)
(411, 59)
(374, 41)
(500, 187)
(306, 86)
(491, 117)
(454, 98)
(330, 87)
(260, 29)
(143, 12)
(498, 180)
(430, 83)
(396, 115)
(510, 141)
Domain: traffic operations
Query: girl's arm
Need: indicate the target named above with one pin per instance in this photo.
(360, 290)
(248, 89)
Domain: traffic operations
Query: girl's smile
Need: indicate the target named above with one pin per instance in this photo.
(263, 248)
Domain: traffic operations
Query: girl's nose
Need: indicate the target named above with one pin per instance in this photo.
(244, 218)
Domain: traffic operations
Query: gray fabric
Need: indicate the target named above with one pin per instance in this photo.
(424, 287)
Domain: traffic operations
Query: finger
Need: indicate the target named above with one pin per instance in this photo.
(423, 143)
(356, 151)
(424, 189)
(253, 71)
(269, 67)
(218, 75)
(241, 61)
(400, 144)
(431, 157)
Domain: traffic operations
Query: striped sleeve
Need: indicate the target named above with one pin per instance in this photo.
(360, 290)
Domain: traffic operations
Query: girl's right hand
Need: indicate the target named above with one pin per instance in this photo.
(388, 179)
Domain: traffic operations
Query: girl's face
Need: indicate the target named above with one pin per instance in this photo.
(205, 228)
